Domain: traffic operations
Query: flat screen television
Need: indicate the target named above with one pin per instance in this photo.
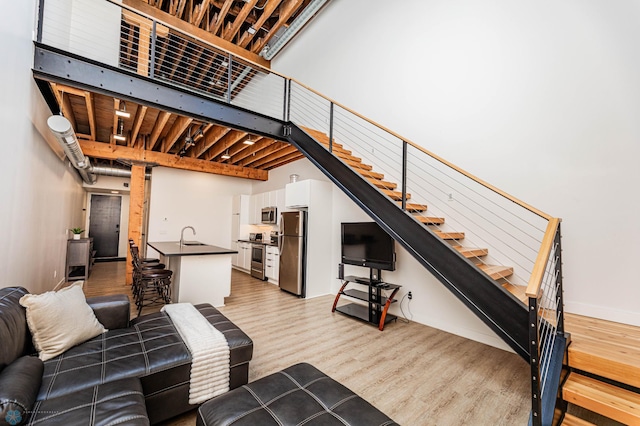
(367, 244)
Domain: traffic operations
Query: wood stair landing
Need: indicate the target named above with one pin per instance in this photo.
(608, 350)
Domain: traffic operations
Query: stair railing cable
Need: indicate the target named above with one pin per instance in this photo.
(453, 200)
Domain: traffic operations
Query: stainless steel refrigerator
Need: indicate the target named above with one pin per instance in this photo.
(293, 252)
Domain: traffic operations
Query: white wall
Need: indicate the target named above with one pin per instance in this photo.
(181, 198)
(538, 98)
(41, 196)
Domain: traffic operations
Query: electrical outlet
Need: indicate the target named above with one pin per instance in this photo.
(410, 295)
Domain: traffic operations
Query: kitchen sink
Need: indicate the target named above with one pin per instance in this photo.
(193, 243)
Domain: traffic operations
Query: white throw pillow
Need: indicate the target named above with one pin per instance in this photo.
(59, 320)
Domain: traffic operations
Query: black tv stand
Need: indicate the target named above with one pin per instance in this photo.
(376, 311)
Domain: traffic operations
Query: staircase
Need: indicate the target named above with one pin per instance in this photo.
(455, 239)
(604, 377)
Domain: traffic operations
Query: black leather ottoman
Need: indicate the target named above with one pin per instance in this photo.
(300, 394)
(120, 402)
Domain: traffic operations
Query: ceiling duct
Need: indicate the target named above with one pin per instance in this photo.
(66, 137)
(270, 51)
(115, 172)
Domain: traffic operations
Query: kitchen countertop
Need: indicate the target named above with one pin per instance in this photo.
(173, 248)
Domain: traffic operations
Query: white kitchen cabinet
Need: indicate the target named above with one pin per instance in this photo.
(297, 194)
(280, 204)
(272, 267)
(240, 206)
(244, 256)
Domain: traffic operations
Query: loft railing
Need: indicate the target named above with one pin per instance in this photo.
(516, 234)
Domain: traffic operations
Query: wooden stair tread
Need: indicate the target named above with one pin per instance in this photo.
(382, 184)
(359, 165)
(369, 173)
(446, 235)
(470, 252)
(430, 220)
(496, 271)
(336, 148)
(602, 398)
(518, 291)
(394, 195)
(414, 208)
(571, 420)
(604, 348)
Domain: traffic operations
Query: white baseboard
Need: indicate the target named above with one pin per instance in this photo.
(601, 312)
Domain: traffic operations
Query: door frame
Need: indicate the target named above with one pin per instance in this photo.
(123, 245)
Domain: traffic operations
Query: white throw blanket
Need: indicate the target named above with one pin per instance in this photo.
(209, 352)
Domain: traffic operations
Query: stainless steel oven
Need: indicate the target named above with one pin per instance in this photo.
(258, 261)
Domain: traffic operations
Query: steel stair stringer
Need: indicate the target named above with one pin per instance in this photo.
(494, 305)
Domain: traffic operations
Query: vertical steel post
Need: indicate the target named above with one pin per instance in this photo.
(534, 339)
(152, 59)
(284, 100)
(331, 127)
(559, 287)
(229, 78)
(404, 175)
(40, 21)
(288, 100)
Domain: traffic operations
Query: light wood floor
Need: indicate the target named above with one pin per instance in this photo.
(415, 374)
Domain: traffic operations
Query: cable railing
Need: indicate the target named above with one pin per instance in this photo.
(514, 243)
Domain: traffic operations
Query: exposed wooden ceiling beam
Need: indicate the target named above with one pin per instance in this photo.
(137, 123)
(163, 117)
(258, 146)
(91, 113)
(178, 128)
(116, 106)
(207, 37)
(259, 155)
(287, 9)
(269, 8)
(201, 9)
(288, 149)
(281, 161)
(224, 143)
(210, 138)
(115, 152)
(221, 16)
(231, 32)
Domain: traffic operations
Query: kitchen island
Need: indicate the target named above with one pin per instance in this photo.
(201, 272)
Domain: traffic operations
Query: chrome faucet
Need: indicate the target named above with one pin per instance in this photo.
(182, 234)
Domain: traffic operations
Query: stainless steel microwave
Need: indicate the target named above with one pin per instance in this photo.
(269, 215)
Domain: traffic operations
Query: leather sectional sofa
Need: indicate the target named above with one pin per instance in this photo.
(135, 373)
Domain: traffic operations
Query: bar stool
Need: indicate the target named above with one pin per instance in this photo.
(151, 282)
(144, 259)
(153, 288)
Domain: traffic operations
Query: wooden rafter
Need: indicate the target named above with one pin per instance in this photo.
(116, 106)
(178, 128)
(221, 16)
(231, 31)
(286, 150)
(288, 8)
(163, 117)
(259, 155)
(199, 13)
(269, 8)
(256, 147)
(224, 143)
(91, 113)
(210, 138)
(137, 123)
